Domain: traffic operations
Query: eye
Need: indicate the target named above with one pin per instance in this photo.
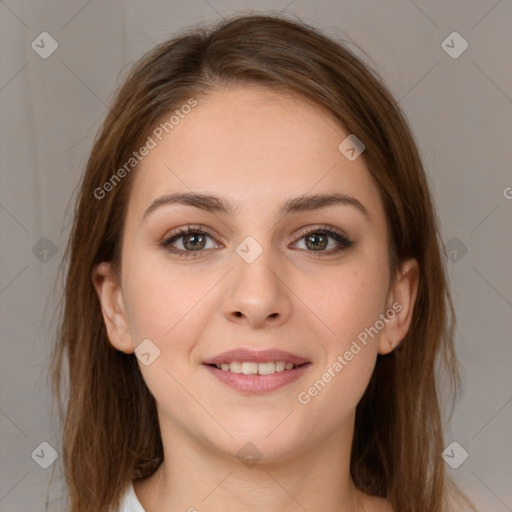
(317, 240)
(193, 240)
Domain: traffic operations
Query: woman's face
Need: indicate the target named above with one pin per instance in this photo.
(256, 278)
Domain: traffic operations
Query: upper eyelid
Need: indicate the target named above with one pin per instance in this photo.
(320, 227)
(183, 231)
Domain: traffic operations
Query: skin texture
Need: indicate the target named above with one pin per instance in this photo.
(255, 148)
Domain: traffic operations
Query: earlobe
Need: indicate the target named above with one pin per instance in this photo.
(112, 306)
(401, 302)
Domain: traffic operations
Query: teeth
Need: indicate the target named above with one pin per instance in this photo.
(235, 367)
(248, 368)
(280, 365)
(267, 368)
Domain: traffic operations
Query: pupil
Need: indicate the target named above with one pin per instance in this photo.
(316, 237)
(192, 245)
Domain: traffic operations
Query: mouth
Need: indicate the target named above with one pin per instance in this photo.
(256, 372)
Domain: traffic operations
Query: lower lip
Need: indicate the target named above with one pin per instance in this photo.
(258, 383)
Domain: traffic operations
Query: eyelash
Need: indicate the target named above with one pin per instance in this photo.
(338, 236)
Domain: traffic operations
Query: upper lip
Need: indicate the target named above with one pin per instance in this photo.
(251, 356)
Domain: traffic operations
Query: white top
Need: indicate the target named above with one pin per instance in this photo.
(129, 501)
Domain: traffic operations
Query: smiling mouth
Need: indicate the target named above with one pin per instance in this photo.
(251, 368)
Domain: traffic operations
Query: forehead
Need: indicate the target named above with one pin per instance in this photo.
(252, 144)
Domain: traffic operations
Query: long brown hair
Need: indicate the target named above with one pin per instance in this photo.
(111, 433)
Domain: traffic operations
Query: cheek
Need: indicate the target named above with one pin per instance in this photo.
(347, 300)
(164, 303)
(167, 307)
(349, 304)
(350, 301)
(333, 393)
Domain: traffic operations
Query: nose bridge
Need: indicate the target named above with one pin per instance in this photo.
(257, 293)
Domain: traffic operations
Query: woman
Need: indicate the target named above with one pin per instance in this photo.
(256, 300)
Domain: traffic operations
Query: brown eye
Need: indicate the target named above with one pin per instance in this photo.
(192, 240)
(317, 240)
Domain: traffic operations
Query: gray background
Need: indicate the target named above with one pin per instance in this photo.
(460, 112)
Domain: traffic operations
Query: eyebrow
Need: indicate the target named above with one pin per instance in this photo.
(212, 203)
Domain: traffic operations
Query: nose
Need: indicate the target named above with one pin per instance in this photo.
(258, 293)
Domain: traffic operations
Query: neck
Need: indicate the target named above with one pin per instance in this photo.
(195, 477)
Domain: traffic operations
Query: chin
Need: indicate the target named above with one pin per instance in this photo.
(260, 451)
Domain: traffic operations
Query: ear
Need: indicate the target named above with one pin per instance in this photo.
(113, 309)
(400, 306)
